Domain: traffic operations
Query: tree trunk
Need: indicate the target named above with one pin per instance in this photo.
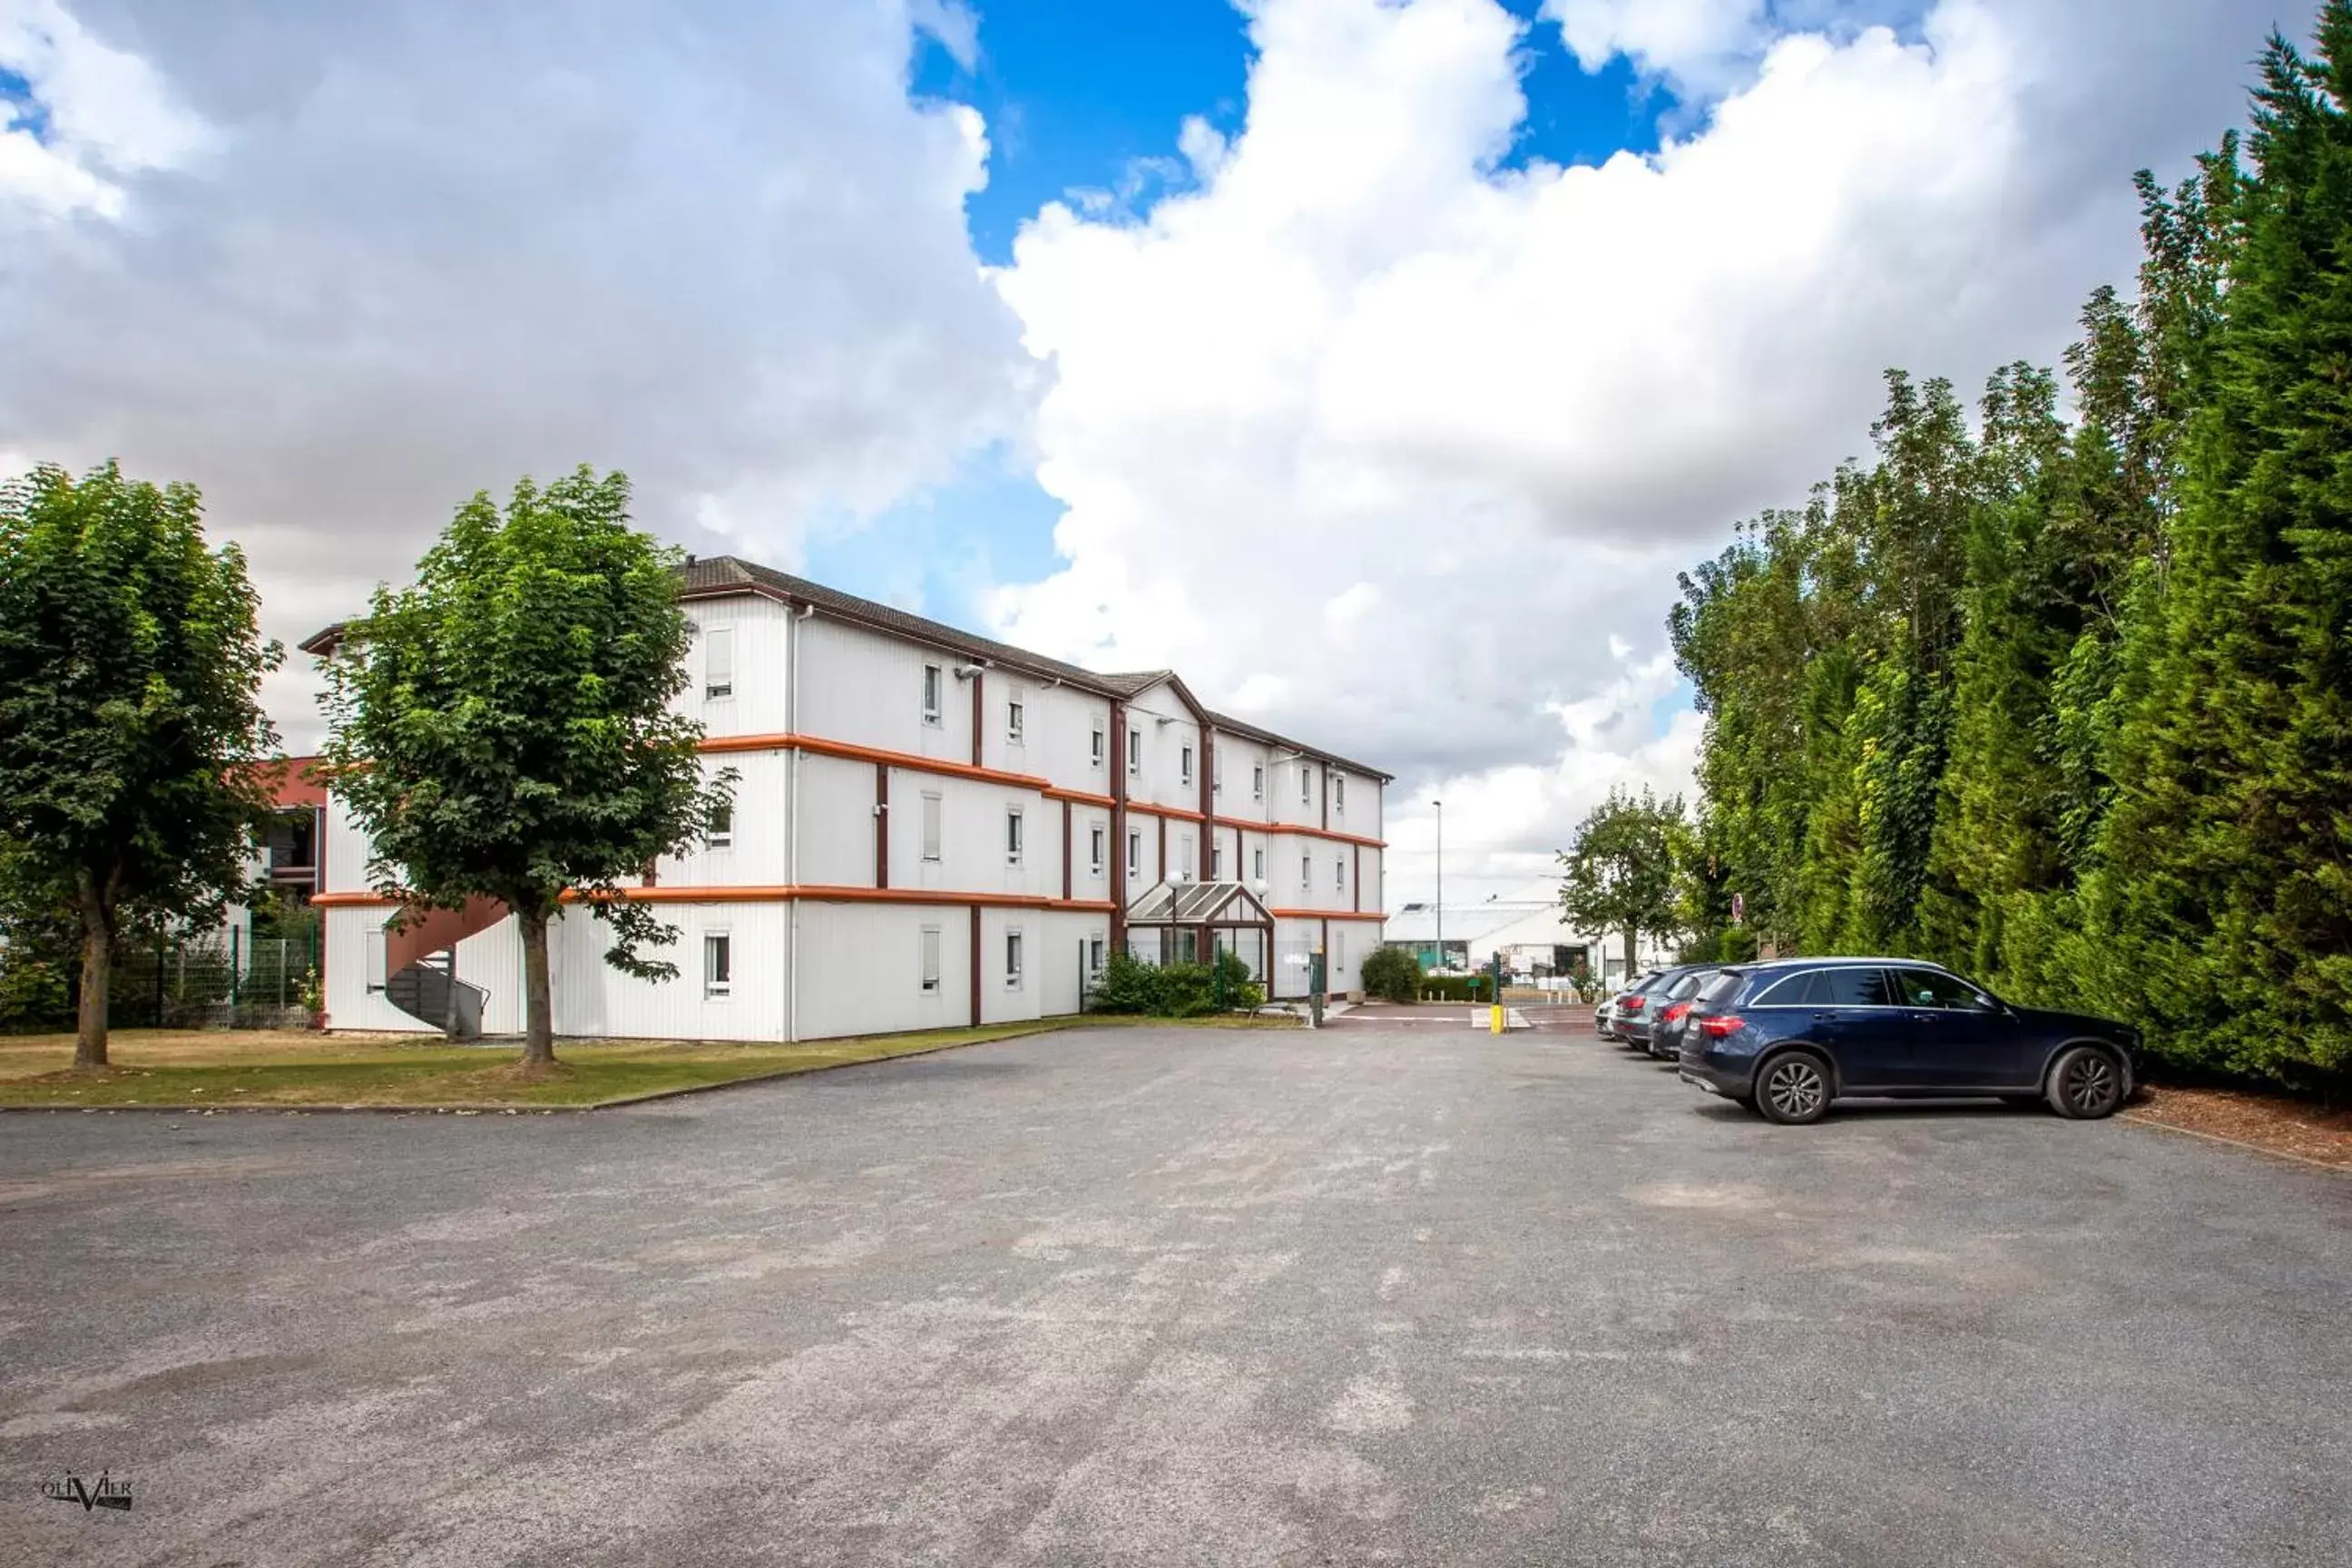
(96, 976)
(1631, 941)
(538, 1018)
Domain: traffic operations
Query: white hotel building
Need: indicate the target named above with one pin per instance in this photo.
(930, 829)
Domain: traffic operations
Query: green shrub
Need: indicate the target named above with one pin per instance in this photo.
(1391, 974)
(1457, 987)
(1127, 985)
(34, 994)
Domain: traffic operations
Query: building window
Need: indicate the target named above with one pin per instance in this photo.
(1185, 764)
(1134, 853)
(718, 963)
(1135, 753)
(1339, 794)
(1341, 867)
(1094, 955)
(933, 675)
(1013, 960)
(1257, 864)
(1095, 838)
(1012, 837)
(1306, 873)
(717, 664)
(1013, 723)
(1306, 785)
(1097, 754)
(1258, 780)
(931, 828)
(930, 960)
(1216, 772)
(1184, 860)
(722, 826)
(1216, 862)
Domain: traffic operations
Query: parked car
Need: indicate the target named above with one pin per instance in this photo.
(1674, 1022)
(1785, 1038)
(1638, 1008)
(1604, 1017)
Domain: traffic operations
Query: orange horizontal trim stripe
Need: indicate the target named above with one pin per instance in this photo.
(1302, 830)
(1055, 792)
(1178, 812)
(843, 749)
(668, 893)
(1324, 914)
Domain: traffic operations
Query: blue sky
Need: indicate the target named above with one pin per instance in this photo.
(1074, 103)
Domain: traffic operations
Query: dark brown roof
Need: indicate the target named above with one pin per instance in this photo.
(713, 576)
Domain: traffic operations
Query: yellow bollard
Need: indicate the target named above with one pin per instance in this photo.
(1495, 1018)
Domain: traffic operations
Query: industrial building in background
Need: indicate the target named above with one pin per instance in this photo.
(930, 829)
(1525, 928)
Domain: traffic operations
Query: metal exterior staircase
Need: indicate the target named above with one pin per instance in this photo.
(426, 990)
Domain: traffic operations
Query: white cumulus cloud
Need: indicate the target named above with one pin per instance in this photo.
(1400, 445)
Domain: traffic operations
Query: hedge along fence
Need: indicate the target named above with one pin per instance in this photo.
(1127, 985)
(1457, 988)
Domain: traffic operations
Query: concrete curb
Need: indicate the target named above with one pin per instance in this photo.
(492, 1108)
(2137, 1121)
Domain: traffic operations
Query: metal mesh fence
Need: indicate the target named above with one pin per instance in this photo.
(216, 981)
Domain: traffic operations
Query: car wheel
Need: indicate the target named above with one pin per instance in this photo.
(2085, 1083)
(1793, 1088)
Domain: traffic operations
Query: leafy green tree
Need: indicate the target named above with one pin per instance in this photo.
(2224, 884)
(1391, 974)
(1625, 870)
(503, 729)
(131, 732)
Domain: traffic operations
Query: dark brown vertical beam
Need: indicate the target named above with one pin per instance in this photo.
(1118, 827)
(1065, 851)
(881, 824)
(978, 718)
(1208, 801)
(975, 966)
(1327, 958)
(1325, 783)
(1356, 878)
(1163, 849)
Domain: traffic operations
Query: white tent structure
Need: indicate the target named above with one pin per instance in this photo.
(1526, 926)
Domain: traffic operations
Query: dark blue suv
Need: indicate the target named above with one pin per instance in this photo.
(1786, 1037)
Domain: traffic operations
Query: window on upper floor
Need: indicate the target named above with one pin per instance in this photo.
(717, 664)
(1094, 755)
(1258, 780)
(1013, 718)
(1012, 837)
(722, 826)
(931, 813)
(1258, 865)
(1184, 765)
(1134, 751)
(1340, 866)
(1305, 873)
(1184, 860)
(1216, 862)
(1306, 785)
(1134, 853)
(1216, 772)
(1096, 844)
(1339, 794)
(934, 678)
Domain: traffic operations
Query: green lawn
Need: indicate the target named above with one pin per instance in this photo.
(232, 1067)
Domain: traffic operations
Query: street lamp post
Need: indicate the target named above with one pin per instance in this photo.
(1441, 882)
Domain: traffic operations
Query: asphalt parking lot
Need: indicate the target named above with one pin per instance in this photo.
(1174, 1297)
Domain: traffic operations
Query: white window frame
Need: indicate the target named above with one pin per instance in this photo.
(1216, 862)
(1185, 764)
(929, 948)
(1134, 752)
(1014, 956)
(1257, 864)
(1095, 946)
(1258, 780)
(1014, 836)
(1305, 783)
(1216, 772)
(1340, 866)
(1307, 873)
(1101, 745)
(1185, 857)
(1134, 853)
(718, 945)
(719, 664)
(1339, 794)
(1014, 718)
(722, 831)
(934, 826)
(935, 680)
(1097, 846)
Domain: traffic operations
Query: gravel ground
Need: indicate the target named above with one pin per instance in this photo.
(1149, 1296)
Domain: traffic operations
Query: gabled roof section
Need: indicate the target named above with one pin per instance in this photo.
(1198, 904)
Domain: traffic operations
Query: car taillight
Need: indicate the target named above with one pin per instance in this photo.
(1672, 1013)
(1633, 1003)
(1716, 1026)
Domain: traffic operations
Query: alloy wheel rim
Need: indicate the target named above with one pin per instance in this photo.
(1795, 1089)
(2090, 1083)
